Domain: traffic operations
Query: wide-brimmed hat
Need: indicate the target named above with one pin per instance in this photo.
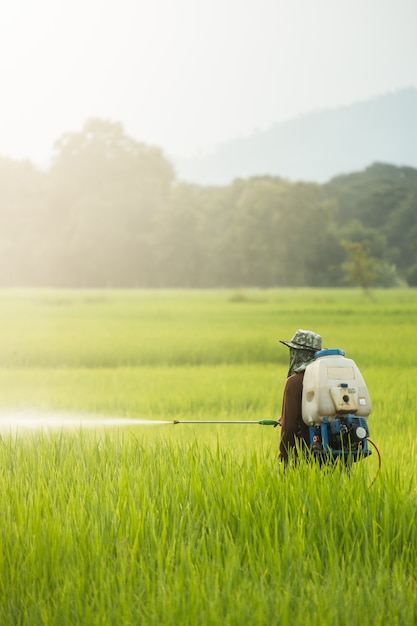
(304, 340)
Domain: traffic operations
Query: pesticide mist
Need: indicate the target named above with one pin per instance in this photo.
(16, 421)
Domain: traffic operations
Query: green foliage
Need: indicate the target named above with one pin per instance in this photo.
(101, 329)
(379, 206)
(109, 212)
(412, 275)
(360, 267)
(190, 524)
(118, 529)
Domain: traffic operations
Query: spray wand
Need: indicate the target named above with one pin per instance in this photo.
(261, 422)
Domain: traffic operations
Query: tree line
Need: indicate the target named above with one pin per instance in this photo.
(110, 212)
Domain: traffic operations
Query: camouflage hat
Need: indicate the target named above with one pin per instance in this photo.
(304, 340)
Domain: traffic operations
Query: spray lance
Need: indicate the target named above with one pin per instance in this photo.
(261, 422)
(270, 422)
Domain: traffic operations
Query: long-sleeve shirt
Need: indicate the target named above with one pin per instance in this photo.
(292, 425)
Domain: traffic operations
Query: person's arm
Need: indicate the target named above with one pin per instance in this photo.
(290, 414)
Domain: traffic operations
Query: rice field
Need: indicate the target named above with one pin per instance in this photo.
(141, 522)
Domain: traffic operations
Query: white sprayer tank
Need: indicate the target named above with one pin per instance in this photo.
(332, 386)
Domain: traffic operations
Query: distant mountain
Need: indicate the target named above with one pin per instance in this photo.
(317, 146)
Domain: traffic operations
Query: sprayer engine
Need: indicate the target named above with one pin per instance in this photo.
(345, 437)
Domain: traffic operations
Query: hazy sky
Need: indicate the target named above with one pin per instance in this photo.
(188, 74)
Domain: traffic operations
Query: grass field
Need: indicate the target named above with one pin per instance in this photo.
(189, 524)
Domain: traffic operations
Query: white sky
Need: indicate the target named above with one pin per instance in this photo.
(188, 74)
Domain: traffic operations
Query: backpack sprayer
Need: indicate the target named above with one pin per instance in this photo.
(335, 407)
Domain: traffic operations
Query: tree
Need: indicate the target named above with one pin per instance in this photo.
(412, 270)
(107, 193)
(359, 268)
(382, 199)
(182, 240)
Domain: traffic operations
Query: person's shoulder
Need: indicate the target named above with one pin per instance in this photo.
(295, 380)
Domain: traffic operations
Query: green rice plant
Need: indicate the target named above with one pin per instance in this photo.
(111, 528)
(199, 524)
(113, 329)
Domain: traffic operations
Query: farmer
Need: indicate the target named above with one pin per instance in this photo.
(294, 433)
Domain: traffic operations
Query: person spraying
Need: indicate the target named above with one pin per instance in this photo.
(294, 432)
